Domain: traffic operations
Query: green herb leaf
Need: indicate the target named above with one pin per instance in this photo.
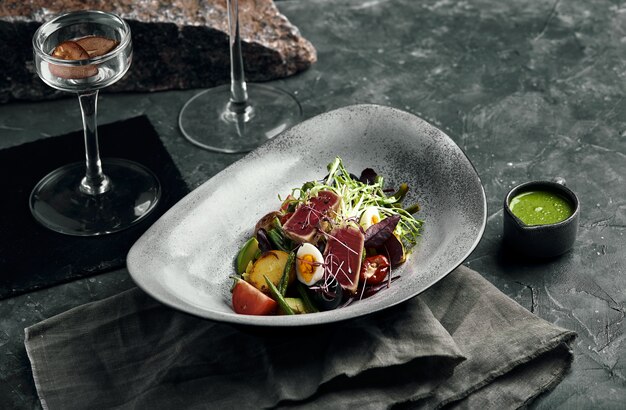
(308, 304)
(357, 196)
(284, 279)
(277, 240)
(278, 297)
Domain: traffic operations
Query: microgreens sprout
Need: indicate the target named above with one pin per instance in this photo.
(356, 196)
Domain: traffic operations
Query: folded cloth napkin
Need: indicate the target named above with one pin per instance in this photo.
(461, 343)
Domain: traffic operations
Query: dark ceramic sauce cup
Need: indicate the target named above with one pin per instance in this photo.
(541, 241)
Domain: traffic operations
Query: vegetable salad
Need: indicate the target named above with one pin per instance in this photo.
(331, 242)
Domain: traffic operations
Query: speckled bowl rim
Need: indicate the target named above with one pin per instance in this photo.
(338, 315)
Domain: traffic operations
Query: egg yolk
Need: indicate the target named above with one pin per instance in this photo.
(375, 219)
(307, 266)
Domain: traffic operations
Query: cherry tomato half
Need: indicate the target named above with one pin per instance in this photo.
(248, 300)
(374, 269)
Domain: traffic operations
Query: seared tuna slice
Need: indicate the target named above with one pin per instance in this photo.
(302, 226)
(343, 254)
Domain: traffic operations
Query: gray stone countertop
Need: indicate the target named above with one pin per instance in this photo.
(528, 89)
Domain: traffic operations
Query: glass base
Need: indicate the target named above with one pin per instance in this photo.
(59, 204)
(210, 121)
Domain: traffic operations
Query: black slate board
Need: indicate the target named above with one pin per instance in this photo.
(33, 257)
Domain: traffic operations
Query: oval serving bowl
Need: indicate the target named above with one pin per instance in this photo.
(184, 260)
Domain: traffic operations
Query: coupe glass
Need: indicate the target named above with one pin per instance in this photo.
(237, 117)
(80, 198)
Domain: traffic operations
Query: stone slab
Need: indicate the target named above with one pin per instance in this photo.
(177, 45)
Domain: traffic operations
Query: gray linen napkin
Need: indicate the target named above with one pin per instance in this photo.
(461, 343)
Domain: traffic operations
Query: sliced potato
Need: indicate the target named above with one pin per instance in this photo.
(271, 264)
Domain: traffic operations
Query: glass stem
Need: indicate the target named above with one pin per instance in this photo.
(94, 182)
(238, 92)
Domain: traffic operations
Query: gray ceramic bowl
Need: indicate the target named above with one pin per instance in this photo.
(540, 241)
(184, 260)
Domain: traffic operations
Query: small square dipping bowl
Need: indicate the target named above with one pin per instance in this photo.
(541, 241)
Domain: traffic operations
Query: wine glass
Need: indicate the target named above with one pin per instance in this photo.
(237, 117)
(80, 198)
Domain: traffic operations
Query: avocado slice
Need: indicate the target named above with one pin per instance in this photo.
(246, 254)
(296, 304)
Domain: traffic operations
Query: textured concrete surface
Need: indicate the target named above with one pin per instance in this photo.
(529, 89)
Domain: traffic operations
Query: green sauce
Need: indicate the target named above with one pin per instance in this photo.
(540, 207)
